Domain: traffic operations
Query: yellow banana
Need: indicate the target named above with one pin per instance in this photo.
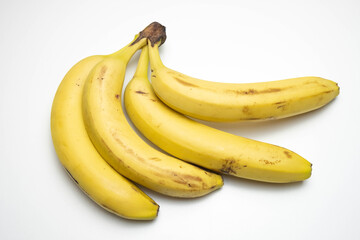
(80, 158)
(205, 146)
(119, 144)
(214, 101)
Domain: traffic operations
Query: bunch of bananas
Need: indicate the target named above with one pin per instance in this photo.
(106, 158)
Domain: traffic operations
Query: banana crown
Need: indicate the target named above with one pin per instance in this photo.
(103, 154)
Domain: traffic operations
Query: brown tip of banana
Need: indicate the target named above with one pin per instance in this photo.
(154, 32)
(157, 211)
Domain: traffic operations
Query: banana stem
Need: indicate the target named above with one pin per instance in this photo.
(143, 63)
(154, 33)
(129, 50)
(155, 60)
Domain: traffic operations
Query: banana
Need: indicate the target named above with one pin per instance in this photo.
(120, 145)
(224, 102)
(80, 158)
(205, 146)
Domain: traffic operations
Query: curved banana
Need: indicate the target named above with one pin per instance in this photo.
(81, 160)
(221, 102)
(205, 146)
(123, 149)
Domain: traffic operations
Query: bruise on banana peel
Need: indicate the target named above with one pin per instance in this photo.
(192, 181)
(252, 91)
(228, 166)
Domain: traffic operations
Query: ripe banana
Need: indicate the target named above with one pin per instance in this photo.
(81, 160)
(214, 101)
(122, 148)
(205, 146)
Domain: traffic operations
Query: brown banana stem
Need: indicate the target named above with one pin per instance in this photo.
(154, 32)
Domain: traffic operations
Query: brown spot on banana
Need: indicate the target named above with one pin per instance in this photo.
(184, 82)
(102, 73)
(192, 178)
(245, 109)
(228, 166)
(282, 107)
(127, 149)
(181, 181)
(267, 162)
(271, 90)
(173, 176)
(252, 91)
(140, 92)
(135, 189)
(119, 161)
(287, 154)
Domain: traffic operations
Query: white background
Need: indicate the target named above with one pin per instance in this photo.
(229, 41)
